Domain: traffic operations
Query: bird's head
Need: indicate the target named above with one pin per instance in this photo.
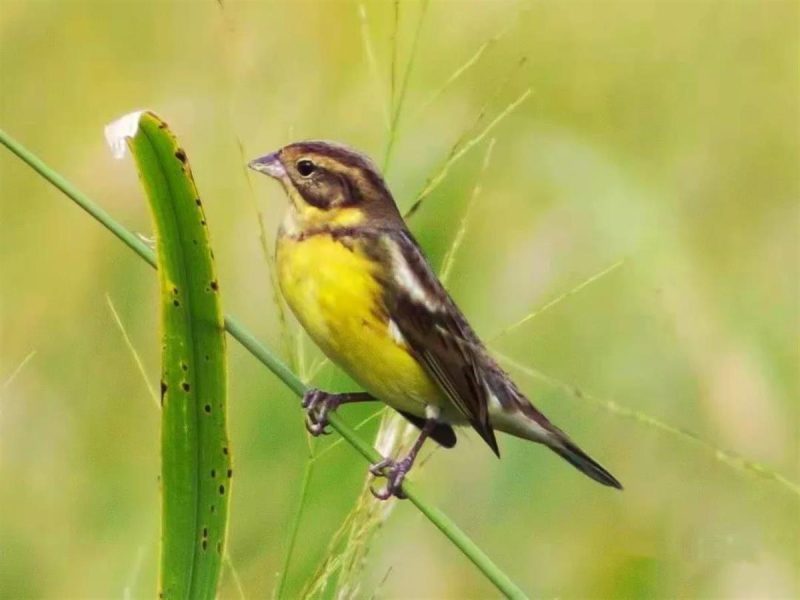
(329, 185)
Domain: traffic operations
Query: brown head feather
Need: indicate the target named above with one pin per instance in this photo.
(331, 176)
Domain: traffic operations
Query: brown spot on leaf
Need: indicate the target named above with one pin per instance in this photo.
(180, 155)
(186, 387)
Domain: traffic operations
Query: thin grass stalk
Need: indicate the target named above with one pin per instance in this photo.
(558, 299)
(137, 566)
(10, 379)
(459, 72)
(369, 52)
(237, 581)
(336, 443)
(397, 108)
(459, 150)
(450, 256)
(726, 457)
(322, 574)
(393, 60)
(151, 390)
(293, 529)
(479, 558)
(394, 433)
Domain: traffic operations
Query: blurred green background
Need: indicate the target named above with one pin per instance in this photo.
(664, 134)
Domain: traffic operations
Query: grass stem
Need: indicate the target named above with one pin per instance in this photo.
(459, 150)
(134, 353)
(293, 529)
(558, 299)
(397, 107)
(450, 256)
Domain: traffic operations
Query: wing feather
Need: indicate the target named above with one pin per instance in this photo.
(436, 331)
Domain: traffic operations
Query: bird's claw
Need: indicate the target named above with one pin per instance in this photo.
(395, 473)
(318, 405)
(378, 467)
(311, 398)
(316, 429)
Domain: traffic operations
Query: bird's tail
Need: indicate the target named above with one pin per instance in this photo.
(514, 414)
(569, 451)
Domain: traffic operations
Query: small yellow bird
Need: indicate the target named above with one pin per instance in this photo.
(361, 287)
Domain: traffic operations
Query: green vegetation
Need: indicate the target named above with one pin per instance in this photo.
(655, 158)
(195, 458)
(194, 441)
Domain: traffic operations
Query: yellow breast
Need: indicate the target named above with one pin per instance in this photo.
(331, 288)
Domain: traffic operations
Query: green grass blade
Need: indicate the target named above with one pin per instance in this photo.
(459, 150)
(369, 53)
(195, 462)
(151, 390)
(10, 379)
(393, 62)
(274, 364)
(460, 70)
(450, 255)
(294, 528)
(726, 457)
(237, 581)
(558, 299)
(397, 106)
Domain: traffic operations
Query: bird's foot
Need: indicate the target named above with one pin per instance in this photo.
(395, 473)
(318, 405)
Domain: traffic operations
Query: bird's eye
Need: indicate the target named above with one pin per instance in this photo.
(305, 167)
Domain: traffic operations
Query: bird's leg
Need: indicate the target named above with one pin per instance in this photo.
(396, 471)
(319, 404)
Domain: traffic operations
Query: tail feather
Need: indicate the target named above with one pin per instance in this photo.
(570, 452)
(513, 413)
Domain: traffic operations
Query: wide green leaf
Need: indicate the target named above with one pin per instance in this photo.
(196, 465)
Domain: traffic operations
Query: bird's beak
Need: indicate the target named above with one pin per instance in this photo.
(270, 165)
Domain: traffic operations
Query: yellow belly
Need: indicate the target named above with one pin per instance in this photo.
(332, 292)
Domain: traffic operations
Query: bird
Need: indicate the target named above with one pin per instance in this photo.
(359, 284)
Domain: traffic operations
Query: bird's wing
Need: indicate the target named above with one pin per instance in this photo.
(434, 330)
